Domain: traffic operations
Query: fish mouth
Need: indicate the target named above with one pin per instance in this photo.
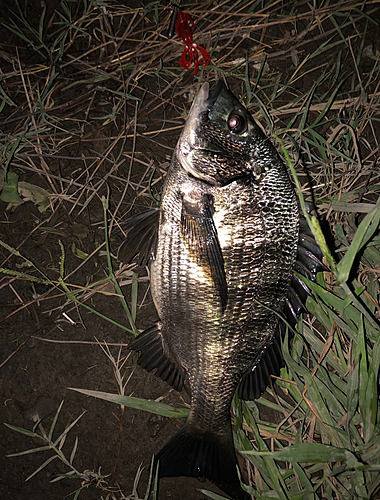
(206, 98)
(191, 139)
(204, 101)
(199, 106)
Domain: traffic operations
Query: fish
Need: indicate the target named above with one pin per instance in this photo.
(223, 248)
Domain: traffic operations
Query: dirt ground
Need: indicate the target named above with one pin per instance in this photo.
(48, 345)
(41, 372)
(45, 352)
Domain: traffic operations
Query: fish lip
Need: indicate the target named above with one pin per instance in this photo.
(214, 94)
(199, 106)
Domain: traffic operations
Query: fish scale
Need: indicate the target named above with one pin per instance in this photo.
(227, 243)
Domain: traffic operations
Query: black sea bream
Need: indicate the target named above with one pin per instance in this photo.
(221, 268)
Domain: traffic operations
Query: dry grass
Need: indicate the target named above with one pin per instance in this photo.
(93, 100)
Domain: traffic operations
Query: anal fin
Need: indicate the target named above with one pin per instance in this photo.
(153, 357)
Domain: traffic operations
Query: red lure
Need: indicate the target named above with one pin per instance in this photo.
(184, 26)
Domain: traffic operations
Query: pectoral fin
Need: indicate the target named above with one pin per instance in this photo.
(201, 237)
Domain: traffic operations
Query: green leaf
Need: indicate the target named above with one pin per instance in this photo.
(9, 184)
(74, 450)
(213, 495)
(29, 452)
(137, 403)
(22, 431)
(134, 296)
(269, 467)
(52, 427)
(94, 79)
(352, 395)
(310, 452)
(343, 206)
(78, 253)
(47, 462)
(327, 107)
(61, 439)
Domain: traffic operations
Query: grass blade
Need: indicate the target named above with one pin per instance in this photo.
(140, 404)
(363, 234)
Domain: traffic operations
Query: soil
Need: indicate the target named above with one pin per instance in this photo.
(49, 346)
(44, 356)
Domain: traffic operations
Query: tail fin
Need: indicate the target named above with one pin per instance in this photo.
(200, 456)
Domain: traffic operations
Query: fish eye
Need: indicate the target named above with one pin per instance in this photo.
(237, 123)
